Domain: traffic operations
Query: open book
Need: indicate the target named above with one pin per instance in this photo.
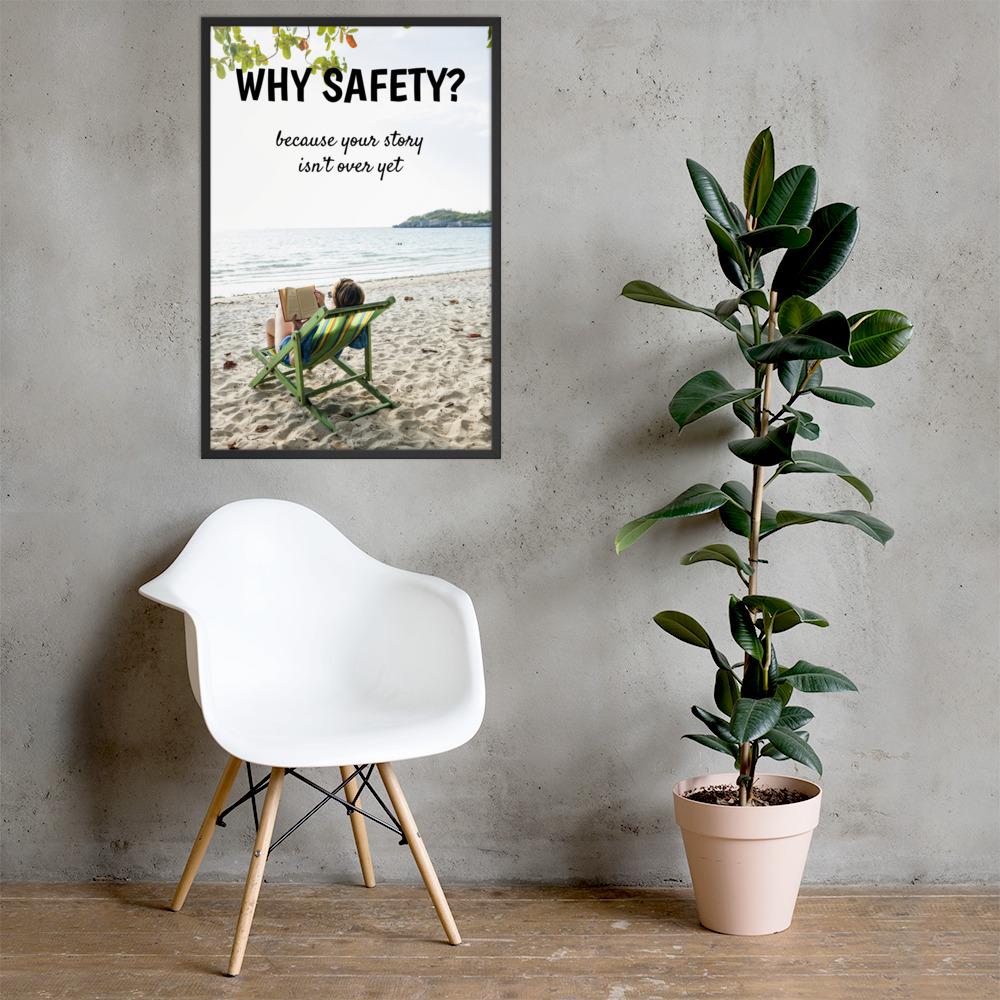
(298, 304)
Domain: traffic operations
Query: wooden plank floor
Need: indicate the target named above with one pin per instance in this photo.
(521, 943)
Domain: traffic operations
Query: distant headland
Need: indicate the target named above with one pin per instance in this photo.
(442, 218)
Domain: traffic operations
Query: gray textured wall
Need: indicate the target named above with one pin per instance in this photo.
(106, 765)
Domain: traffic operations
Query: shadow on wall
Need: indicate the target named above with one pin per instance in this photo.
(143, 746)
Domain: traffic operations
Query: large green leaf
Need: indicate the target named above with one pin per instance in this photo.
(725, 241)
(698, 499)
(706, 392)
(770, 238)
(753, 677)
(817, 461)
(732, 271)
(713, 743)
(846, 397)
(879, 336)
(727, 691)
(714, 199)
(758, 173)
(645, 291)
(808, 269)
(753, 717)
(792, 375)
(794, 746)
(795, 312)
(829, 336)
(683, 627)
(794, 717)
(871, 526)
(771, 448)
(717, 553)
(720, 727)
(792, 200)
(816, 680)
(736, 515)
(773, 607)
(743, 629)
(744, 414)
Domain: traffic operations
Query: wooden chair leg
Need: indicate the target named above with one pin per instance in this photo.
(204, 837)
(359, 828)
(256, 873)
(419, 852)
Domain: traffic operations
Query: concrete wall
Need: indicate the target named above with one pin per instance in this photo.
(106, 764)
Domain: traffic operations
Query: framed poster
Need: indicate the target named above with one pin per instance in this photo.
(350, 238)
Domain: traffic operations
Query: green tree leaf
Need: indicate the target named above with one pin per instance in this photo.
(794, 746)
(736, 515)
(792, 375)
(645, 291)
(795, 312)
(717, 553)
(758, 173)
(730, 749)
(835, 394)
(769, 238)
(829, 336)
(703, 394)
(732, 271)
(871, 526)
(792, 200)
(753, 717)
(720, 727)
(808, 269)
(743, 629)
(771, 448)
(713, 198)
(753, 677)
(754, 297)
(725, 241)
(817, 461)
(816, 680)
(727, 691)
(878, 337)
(683, 627)
(775, 607)
(698, 499)
(794, 717)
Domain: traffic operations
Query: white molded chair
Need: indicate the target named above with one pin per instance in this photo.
(304, 651)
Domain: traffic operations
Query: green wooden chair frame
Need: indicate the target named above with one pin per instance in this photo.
(291, 355)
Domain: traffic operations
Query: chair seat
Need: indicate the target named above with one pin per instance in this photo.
(314, 732)
(315, 737)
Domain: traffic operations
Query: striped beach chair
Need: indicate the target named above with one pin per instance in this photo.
(322, 339)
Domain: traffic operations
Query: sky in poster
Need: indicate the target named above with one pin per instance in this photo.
(257, 185)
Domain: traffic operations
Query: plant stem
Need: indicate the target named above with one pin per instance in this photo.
(747, 755)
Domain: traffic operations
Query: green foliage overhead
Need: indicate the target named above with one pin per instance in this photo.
(787, 339)
(232, 50)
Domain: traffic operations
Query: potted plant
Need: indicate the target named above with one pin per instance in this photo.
(747, 839)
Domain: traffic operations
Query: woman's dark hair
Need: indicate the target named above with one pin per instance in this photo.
(348, 293)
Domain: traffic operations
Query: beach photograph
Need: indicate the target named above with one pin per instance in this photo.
(350, 245)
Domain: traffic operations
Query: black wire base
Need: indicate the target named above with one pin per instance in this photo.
(361, 772)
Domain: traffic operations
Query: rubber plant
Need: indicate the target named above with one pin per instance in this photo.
(789, 342)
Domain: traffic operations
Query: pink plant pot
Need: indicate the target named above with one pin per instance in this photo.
(746, 863)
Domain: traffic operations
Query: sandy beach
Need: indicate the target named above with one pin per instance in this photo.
(431, 355)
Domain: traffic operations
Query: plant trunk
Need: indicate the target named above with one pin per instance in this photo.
(747, 755)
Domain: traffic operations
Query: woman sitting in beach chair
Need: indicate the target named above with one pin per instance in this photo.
(311, 340)
(346, 293)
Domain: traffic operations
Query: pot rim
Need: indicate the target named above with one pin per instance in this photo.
(815, 790)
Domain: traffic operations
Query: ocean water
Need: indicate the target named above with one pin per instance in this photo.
(260, 260)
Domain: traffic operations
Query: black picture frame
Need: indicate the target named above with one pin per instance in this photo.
(493, 452)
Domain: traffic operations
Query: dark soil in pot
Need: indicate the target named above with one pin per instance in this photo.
(728, 795)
